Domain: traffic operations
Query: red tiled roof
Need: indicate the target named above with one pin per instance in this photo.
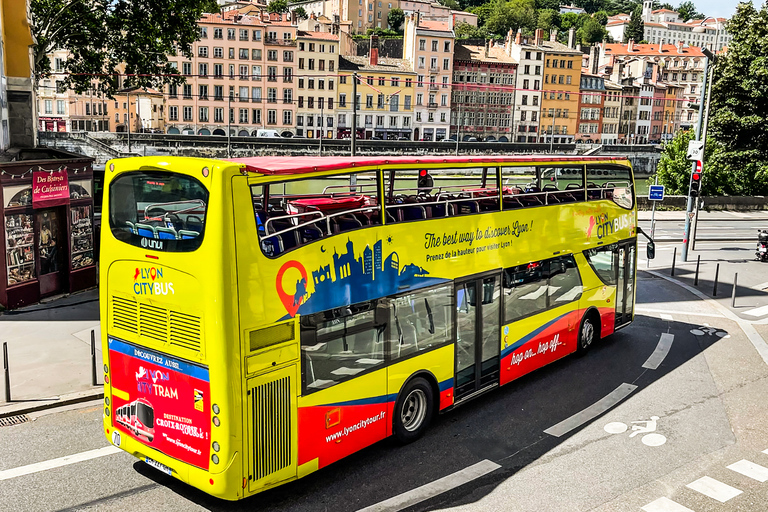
(663, 10)
(434, 25)
(653, 49)
(326, 36)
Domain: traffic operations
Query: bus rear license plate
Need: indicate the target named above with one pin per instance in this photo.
(157, 465)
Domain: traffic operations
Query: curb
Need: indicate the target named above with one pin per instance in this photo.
(19, 408)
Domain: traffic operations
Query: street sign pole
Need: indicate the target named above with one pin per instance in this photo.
(653, 210)
(689, 205)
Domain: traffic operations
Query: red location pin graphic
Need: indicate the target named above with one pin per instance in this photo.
(293, 300)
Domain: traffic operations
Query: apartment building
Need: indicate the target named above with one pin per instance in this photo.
(365, 14)
(628, 123)
(666, 26)
(385, 93)
(673, 100)
(437, 12)
(560, 98)
(680, 65)
(483, 92)
(591, 101)
(428, 47)
(611, 113)
(657, 112)
(316, 81)
(528, 93)
(139, 110)
(241, 77)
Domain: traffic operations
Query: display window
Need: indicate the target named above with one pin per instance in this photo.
(19, 248)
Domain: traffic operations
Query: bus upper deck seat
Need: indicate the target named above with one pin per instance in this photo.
(309, 233)
(194, 223)
(289, 237)
(346, 222)
(272, 246)
(593, 191)
(414, 212)
(144, 230)
(166, 233)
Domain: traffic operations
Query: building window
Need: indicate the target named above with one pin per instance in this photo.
(203, 115)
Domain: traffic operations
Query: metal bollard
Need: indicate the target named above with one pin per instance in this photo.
(733, 292)
(674, 257)
(717, 272)
(7, 372)
(696, 278)
(93, 359)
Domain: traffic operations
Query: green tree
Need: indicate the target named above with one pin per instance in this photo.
(674, 169)
(395, 18)
(739, 105)
(591, 32)
(636, 27)
(687, 11)
(613, 7)
(464, 30)
(483, 12)
(511, 15)
(601, 17)
(591, 5)
(102, 35)
(568, 20)
(548, 4)
(278, 6)
(300, 13)
(548, 19)
(451, 4)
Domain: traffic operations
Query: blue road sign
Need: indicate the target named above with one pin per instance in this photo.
(656, 193)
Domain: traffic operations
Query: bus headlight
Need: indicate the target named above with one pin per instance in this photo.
(216, 409)
(216, 446)
(106, 411)
(216, 421)
(215, 459)
(106, 400)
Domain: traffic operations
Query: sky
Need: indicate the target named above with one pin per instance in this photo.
(718, 8)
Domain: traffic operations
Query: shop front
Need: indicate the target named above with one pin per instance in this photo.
(47, 235)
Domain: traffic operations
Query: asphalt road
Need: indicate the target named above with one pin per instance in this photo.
(707, 393)
(731, 226)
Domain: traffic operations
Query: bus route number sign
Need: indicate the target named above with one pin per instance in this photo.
(656, 192)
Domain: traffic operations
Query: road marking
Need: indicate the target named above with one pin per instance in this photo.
(665, 311)
(432, 489)
(735, 214)
(754, 337)
(662, 349)
(665, 505)
(667, 317)
(750, 469)
(757, 311)
(591, 412)
(715, 489)
(57, 463)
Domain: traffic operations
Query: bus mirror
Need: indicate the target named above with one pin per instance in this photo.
(650, 250)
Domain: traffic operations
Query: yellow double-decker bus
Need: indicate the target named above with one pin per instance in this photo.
(265, 317)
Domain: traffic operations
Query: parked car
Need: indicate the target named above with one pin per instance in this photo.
(268, 134)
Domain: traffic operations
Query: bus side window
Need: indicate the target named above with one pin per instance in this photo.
(420, 320)
(564, 281)
(525, 290)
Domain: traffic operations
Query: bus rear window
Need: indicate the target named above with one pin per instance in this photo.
(158, 210)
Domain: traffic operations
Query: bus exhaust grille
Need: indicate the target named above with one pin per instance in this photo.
(185, 330)
(271, 434)
(124, 314)
(153, 322)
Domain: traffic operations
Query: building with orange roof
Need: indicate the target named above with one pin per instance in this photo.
(673, 100)
(139, 110)
(483, 92)
(591, 101)
(240, 78)
(611, 113)
(527, 114)
(317, 68)
(678, 65)
(428, 47)
(560, 97)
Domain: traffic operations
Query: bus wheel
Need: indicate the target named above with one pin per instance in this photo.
(414, 410)
(587, 333)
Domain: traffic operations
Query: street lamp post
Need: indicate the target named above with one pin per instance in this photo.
(229, 125)
(458, 129)
(128, 120)
(552, 131)
(320, 150)
(689, 206)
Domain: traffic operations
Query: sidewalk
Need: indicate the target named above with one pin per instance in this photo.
(679, 215)
(49, 353)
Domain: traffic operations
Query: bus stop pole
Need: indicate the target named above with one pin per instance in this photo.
(7, 372)
(653, 210)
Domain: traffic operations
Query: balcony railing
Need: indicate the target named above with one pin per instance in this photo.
(434, 69)
(433, 87)
(431, 105)
(280, 42)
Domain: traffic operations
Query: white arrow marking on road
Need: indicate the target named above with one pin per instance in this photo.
(757, 311)
(662, 349)
(57, 463)
(427, 491)
(715, 489)
(665, 505)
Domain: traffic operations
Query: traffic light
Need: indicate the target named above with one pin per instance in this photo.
(695, 180)
(425, 182)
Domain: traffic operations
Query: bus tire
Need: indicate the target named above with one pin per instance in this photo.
(413, 410)
(588, 332)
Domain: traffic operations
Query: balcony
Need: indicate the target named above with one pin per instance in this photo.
(280, 42)
(433, 86)
(431, 105)
(434, 69)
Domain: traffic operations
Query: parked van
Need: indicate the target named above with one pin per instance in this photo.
(268, 134)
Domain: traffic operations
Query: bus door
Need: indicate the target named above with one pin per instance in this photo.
(625, 282)
(478, 320)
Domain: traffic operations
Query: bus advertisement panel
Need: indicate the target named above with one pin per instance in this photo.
(161, 401)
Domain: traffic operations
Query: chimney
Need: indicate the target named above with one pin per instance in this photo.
(661, 45)
(578, 47)
(538, 37)
(485, 49)
(374, 52)
(519, 37)
(679, 47)
(571, 37)
(553, 35)
(631, 45)
(593, 59)
(293, 17)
